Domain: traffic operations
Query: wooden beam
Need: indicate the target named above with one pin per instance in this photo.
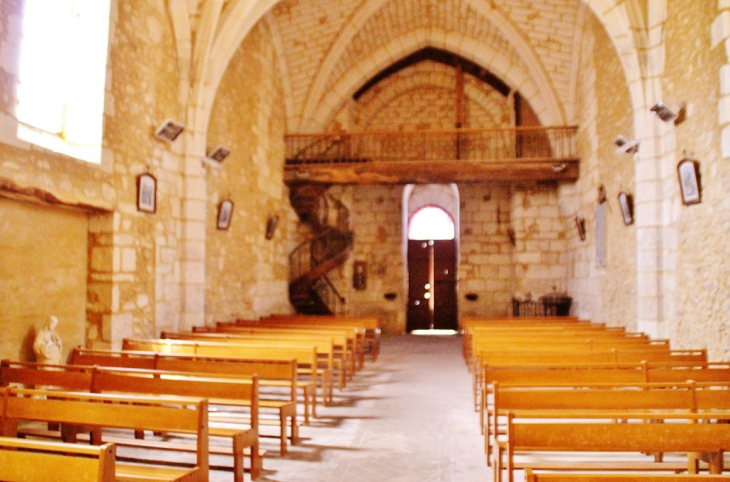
(422, 172)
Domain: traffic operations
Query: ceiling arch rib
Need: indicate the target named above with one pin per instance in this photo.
(239, 18)
(540, 96)
(440, 56)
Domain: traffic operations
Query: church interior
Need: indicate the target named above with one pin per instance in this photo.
(172, 166)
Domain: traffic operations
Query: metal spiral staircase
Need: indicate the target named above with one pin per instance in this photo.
(310, 290)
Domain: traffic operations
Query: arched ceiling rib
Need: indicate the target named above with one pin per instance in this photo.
(328, 42)
(441, 56)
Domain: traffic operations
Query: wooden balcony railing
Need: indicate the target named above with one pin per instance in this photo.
(520, 149)
(556, 143)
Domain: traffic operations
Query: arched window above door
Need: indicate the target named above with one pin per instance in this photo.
(431, 222)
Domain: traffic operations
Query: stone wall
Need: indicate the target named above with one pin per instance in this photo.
(423, 96)
(702, 282)
(42, 273)
(540, 245)
(375, 216)
(601, 293)
(486, 266)
(246, 274)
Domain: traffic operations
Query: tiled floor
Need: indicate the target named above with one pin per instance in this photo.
(407, 417)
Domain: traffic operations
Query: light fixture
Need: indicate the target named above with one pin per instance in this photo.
(669, 114)
(169, 130)
(626, 146)
(216, 157)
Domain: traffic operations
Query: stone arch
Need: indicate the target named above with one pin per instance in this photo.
(435, 79)
(541, 96)
(445, 196)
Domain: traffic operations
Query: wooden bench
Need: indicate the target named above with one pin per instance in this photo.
(239, 391)
(355, 335)
(585, 433)
(271, 373)
(41, 461)
(597, 374)
(603, 396)
(236, 392)
(530, 476)
(341, 340)
(331, 349)
(306, 356)
(74, 410)
(370, 324)
(537, 358)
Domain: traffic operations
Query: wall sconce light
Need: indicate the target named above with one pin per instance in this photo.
(580, 223)
(626, 202)
(216, 157)
(626, 146)
(169, 130)
(668, 114)
(271, 226)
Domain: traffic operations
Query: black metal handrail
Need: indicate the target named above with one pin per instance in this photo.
(329, 295)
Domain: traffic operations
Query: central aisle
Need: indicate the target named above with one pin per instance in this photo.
(406, 418)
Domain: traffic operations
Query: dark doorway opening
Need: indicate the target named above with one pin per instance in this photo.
(432, 285)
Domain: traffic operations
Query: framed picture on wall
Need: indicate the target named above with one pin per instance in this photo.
(626, 202)
(688, 171)
(146, 193)
(225, 211)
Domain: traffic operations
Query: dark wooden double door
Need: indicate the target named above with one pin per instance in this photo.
(432, 285)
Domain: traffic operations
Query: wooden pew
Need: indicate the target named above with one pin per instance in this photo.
(42, 461)
(271, 373)
(596, 374)
(584, 432)
(355, 335)
(536, 358)
(239, 391)
(602, 396)
(371, 324)
(331, 349)
(530, 476)
(75, 410)
(236, 392)
(306, 356)
(342, 342)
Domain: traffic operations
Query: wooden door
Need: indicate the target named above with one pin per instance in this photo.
(431, 285)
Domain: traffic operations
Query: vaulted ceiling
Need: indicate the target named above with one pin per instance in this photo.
(329, 49)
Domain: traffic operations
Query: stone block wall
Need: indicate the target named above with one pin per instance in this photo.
(376, 218)
(601, 293)
(540, 260)
(699, 268)
(486, 253)
(246, 274)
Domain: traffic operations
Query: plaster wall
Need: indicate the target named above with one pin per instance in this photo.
(42, 273)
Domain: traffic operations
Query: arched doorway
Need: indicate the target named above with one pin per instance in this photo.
(432, 263)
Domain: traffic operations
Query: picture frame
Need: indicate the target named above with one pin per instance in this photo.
(688, 172)
(147, 193)
(626, 203)
(225, 213)
(271, 226)
(580, 224)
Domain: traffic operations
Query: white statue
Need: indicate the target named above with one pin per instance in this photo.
(47, 345)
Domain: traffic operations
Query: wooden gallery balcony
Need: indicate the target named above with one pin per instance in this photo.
(435, 156)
